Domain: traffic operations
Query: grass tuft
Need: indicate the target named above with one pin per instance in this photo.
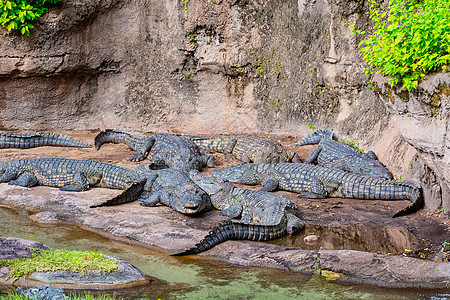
(60, 260)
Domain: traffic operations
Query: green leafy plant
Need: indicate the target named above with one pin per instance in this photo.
(61, 259)
(398, 177)
(410, 38)
(185, 4)
(19, 14)
(311, 127)
(353, 144)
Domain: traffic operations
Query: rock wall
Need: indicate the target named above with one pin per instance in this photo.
(208, 67)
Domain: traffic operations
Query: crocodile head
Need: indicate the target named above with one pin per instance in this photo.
(210, 185)
(314, 137)
(374, 169)
(294, 224)
(193, 200)
(240, 173)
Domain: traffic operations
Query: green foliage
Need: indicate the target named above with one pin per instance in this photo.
(19, 14)
(311, 127)
(353, 144)
(185, 4)
(410, 39)
(398, 177)
(61, 259)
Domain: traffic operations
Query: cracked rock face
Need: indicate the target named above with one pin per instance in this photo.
(422, 117)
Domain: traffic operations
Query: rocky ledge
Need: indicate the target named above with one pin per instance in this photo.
(162, 228)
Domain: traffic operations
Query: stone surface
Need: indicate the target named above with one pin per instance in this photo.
(12, 248)
(392, 271)
(422, 118)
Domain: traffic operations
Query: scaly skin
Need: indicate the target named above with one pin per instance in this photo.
(74, 175)
(174, 189)
(320, 182)
(38, 139)
(246, 148)
(167, 151)
(234, 230)
(264, 216)
(342, 156)
(252, 207)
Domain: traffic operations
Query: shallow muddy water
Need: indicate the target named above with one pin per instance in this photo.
(196, 277)
(382, 240)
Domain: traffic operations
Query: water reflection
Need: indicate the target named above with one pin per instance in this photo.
(384, 240)
(192, 277)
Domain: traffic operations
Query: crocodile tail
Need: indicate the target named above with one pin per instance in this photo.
(232, 230)
(129, 195)
(133, 140)
(38, 139)
(417, 202)
(52, 139)
(110, 136)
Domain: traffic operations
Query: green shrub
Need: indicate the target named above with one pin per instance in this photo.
(19, 14)
(410, 39)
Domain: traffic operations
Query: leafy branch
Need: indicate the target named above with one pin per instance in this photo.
(410, 38)
(19, 14)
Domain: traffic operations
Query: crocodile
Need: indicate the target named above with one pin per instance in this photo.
(320, 182)
(73, 175)
(332, 154)
(172, 188)
(166, 150)
(246, 148)
(263, 216)
(38, 139)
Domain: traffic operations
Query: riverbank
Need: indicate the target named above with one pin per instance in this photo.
(162, 228)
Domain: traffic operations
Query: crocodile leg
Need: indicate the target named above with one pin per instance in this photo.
(208, 161)
(317, 190)
(80, 183)
(8, 175)
(159, 162)
(143, 152)
(153, 200)
(26, 179)
(146, 198)
(234, 211)
(313, 156)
